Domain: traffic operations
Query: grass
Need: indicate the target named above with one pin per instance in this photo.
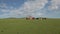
(22, 26)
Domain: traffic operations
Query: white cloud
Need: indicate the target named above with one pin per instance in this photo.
(55, 5)
(3, 5)
(30, 7)
(5, 10)
(56, 2)
(33, 5)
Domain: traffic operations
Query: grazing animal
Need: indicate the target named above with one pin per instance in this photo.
(43, 18)
(30, 18)
(37, 18)
(33, 18)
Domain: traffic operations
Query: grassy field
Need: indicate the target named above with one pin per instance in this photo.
(22, 26)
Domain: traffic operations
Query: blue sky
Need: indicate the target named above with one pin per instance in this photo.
(36, 8)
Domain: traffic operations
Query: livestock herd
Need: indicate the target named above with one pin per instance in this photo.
(33, 18)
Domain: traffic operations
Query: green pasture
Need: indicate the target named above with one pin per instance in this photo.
(23, 26)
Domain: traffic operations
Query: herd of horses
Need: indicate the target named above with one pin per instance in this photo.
(36, 18)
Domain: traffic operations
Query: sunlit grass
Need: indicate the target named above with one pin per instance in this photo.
(22, 26)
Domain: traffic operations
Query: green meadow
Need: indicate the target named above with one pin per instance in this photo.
(23, 26)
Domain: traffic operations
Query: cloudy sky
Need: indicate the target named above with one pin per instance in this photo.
(36, 8)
